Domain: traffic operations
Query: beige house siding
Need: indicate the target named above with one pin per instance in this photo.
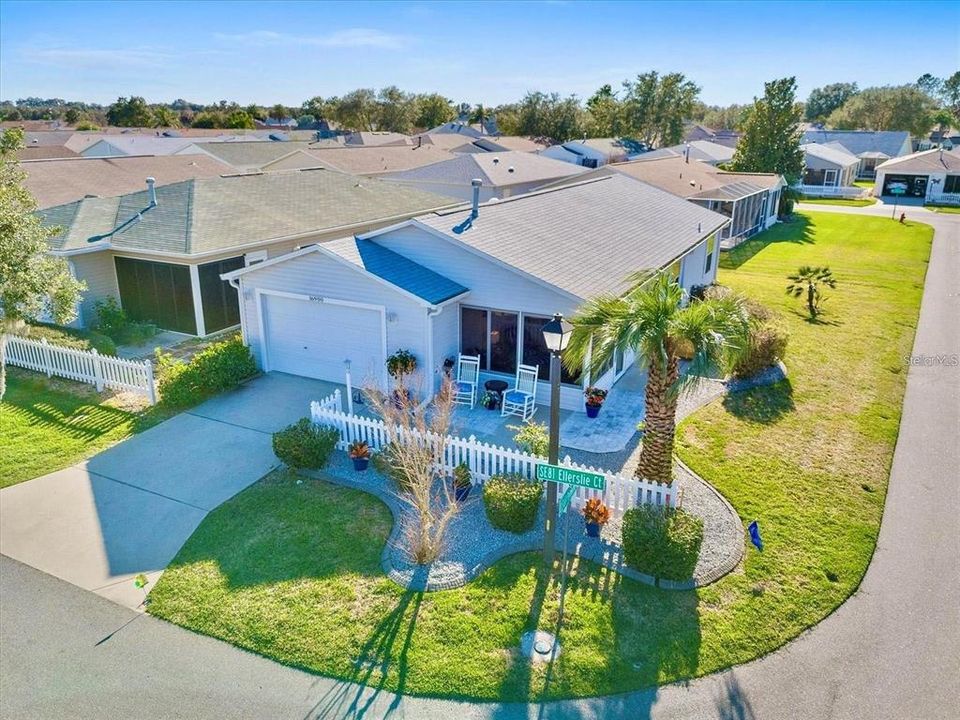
(97, 271)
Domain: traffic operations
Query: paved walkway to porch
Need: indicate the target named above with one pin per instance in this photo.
(616, 424)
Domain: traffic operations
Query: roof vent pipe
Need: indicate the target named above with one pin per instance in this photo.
(152, 191)
(476, 182)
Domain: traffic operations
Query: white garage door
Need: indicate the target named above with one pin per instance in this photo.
(311, 338)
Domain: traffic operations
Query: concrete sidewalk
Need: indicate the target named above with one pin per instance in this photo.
(130, 509)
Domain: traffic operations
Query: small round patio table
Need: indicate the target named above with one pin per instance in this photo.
(496, 386)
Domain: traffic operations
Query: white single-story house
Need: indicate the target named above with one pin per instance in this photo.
(828, 166)
(481, 279)
(502, 173)
(871, 147)
(933, 175)
(595, 152)
(160, 251)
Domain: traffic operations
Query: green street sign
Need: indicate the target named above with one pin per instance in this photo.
(569, 476)
(898, 191)
(565, 499)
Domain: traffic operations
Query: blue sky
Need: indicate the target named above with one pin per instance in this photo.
(488, 52)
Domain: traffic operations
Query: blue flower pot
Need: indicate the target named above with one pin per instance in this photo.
(593, 410)
(593, 529)
(360, 464)
(461, 492)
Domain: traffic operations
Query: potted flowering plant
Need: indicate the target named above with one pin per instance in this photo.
(595, 515)
(399, 365)
(595, 397)
(489, 400)
(359, 452)
(462, 482)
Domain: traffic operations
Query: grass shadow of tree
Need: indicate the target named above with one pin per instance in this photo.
(379, 658)
(799, 229)
(765, 405)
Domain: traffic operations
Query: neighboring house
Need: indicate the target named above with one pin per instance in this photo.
(136, 144)
(933, 175)
(595, 152)
(55, 182)
(694, 133)
(245, 156)
(948, 139)
(163, 260)
(457, 128)
(377, 139)
(287, 122)
(371, 161)
(479, 280)
(699, 150)
(503, 174)
(828, 166)
(750, 200)
(871, 147)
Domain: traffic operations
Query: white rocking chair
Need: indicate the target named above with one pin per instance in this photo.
(521, 400)
(468, 376)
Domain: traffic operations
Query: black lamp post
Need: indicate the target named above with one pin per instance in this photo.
(556, 334)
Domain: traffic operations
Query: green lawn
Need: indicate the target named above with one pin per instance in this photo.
(949, 209)
(51, 424)
(855, 202)
(864, 183)
(292, 570)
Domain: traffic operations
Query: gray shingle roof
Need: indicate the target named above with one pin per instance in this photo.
(220, 213)
(584, 238)
(889, 142)
(495, 169)
(699, 150)
(396, 269)
(250, 155)
(833, 155)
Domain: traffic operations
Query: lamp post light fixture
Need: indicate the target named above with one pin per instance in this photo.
(556, 335)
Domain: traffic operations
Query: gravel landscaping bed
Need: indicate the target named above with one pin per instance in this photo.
(473, 544)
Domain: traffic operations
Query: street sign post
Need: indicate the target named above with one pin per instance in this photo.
(565, 500)
(570, 476)
(896, 192)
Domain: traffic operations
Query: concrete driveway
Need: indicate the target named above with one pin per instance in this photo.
(129, 509)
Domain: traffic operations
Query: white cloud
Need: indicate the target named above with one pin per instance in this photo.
(91, 58)
(349, 38)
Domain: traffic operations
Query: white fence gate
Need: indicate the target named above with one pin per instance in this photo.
(89, 366)
(622, 492)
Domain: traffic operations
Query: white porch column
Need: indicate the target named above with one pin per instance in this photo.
(197, 302)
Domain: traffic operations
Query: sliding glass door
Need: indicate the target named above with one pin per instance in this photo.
(505, 339)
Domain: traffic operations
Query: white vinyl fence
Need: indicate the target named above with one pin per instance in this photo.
(622, 492)
(89, 366)
(848, 192)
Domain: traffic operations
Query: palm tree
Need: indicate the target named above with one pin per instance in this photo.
(809, 280)
(650, 321)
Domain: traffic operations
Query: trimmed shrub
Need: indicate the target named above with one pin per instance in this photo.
(768, 344)
(113, 322)
(214, 369)
(662, 542)
(305, 445)
(511, 502)
(768, 335)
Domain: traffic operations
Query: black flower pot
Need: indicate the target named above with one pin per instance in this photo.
(461, 492)
(593, 529)
(360, 463)
(592, 410)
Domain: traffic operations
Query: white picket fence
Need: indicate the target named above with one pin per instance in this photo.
(485, 460)
(89, 366)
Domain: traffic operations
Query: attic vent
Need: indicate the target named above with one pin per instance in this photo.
(510, 169)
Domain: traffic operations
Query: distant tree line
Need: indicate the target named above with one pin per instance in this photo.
(650, 107)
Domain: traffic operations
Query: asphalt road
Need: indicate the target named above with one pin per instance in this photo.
(891, 651)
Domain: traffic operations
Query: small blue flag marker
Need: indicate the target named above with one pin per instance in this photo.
(754, 530)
